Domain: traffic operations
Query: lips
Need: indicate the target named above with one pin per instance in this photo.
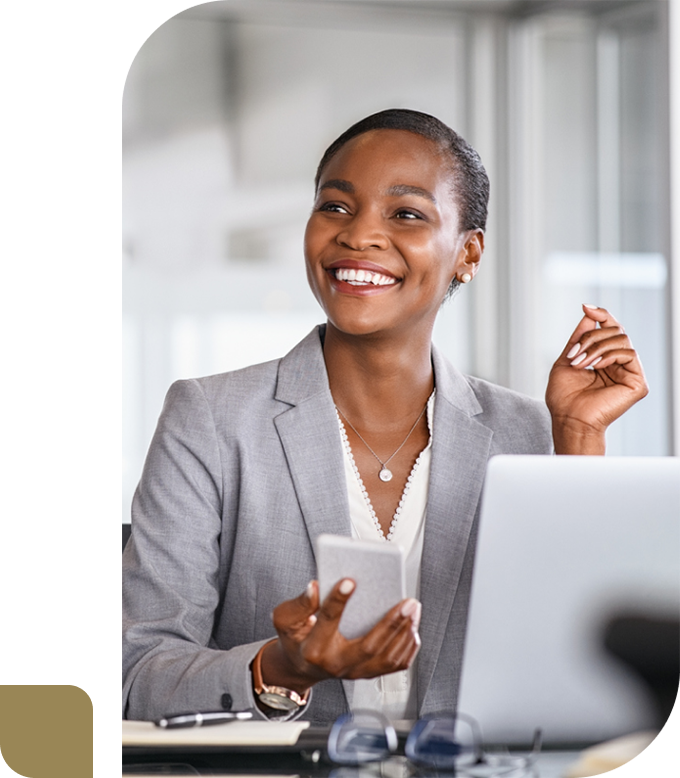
(360, 275)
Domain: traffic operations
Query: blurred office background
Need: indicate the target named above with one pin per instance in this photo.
(229, 105)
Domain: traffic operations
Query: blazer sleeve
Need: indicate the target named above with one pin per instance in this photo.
(171, 572)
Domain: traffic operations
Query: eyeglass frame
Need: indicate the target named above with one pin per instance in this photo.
(481, 756)
(391, 740)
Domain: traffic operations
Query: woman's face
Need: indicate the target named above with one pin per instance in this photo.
(382, 244)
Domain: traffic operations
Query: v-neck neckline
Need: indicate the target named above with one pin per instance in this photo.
(407, 485)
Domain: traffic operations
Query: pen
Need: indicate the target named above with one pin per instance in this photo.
(203, 719)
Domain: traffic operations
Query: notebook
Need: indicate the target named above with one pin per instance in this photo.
(565, 544)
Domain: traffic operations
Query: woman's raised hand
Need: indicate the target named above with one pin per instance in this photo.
(582, 402)
(311, 648)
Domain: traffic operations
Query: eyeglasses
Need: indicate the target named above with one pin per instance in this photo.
(450, 744)
(455, 744)
(361, 736)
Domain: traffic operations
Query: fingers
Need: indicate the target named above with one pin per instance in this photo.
(325, 649)
(394, 642)
(295, 618)
(598, 341)
(405, 644)
(332, 607)
(600, 344)
(587, 324)
(600, 315)
(406, 613)
(315, 649)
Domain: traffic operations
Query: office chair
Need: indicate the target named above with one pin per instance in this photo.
(127, 529)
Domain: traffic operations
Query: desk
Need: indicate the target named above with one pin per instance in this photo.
(293, 761)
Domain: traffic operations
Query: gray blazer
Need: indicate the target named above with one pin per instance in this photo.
(244, 471)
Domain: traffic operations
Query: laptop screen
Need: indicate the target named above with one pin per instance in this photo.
(565, 546)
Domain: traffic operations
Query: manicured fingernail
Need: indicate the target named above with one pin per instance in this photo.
(346, 586)
(409, 607)
(310, 590)
(574, 351)
(579, 359)
(594, 307)
(311, 620)
(595, 361)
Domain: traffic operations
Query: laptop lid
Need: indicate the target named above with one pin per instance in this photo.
(565, 544)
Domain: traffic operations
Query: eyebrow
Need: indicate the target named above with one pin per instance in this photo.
(339, 184)
(403, 189)
(395, 191)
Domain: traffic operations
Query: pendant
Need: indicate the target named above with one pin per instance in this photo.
(385, 474)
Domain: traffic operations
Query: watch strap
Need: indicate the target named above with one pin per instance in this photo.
(289, 698)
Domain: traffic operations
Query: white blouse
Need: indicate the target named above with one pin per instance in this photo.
(395, 694)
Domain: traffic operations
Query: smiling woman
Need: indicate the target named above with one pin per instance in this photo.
(386, 205)
(363, 429)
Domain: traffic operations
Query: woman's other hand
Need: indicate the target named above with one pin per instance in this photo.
(310, 647)
(582, 402)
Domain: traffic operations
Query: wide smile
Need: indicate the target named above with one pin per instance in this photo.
(360, 278)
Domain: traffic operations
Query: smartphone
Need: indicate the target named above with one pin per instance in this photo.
(377, 568)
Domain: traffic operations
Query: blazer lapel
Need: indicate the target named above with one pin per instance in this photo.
(460, 450)
(308, 431)
(310, 438)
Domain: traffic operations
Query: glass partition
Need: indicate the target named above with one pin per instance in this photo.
(595, 221)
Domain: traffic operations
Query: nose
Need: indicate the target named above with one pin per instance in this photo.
(363, 231)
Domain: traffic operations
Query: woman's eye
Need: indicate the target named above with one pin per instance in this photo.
(408, 215)
(333, 208)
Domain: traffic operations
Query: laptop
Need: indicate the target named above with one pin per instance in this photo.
(566, 544)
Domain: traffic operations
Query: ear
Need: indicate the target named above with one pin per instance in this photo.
(471, 253)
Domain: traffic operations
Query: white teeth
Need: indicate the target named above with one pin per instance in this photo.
(363, 277)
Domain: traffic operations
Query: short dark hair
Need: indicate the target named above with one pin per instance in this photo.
(471, 183)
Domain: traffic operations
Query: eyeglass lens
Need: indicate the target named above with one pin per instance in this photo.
(361, 737)
(442, 743)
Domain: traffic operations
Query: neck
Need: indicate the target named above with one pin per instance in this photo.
(379, 382)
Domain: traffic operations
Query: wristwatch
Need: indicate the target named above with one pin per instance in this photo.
(276, 697)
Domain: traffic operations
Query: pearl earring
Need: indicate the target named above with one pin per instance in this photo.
(466, 278)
